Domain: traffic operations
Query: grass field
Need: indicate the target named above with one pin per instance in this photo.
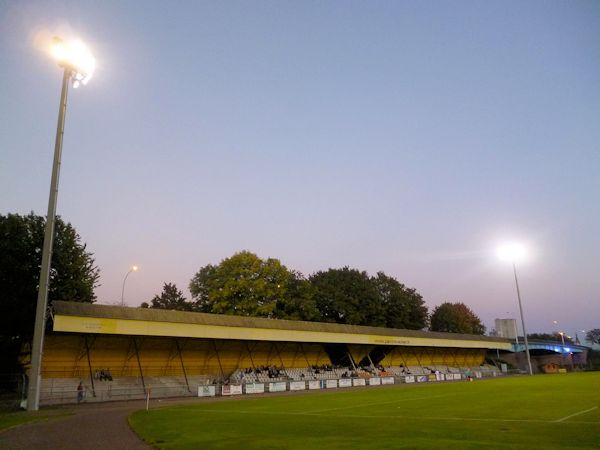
(540, 412)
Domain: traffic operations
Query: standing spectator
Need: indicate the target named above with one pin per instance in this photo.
(80, 392)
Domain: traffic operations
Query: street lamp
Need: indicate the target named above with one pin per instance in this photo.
(511, 253)
(133, 269)
(562, 333)
(78, 64)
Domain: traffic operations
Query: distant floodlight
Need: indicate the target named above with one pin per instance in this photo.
(76, 56)
(511, 252)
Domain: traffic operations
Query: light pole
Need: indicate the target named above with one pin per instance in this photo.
(512, 253)
(562, 340)
(78, 64)
(133, 269)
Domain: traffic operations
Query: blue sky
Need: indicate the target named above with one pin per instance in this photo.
(408, 137)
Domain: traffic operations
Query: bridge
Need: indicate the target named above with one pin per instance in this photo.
(546, 347)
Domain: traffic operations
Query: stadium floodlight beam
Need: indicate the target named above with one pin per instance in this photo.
(512, 253)
(133, 269)
(78, 64)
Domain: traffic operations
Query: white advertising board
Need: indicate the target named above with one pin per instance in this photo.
(387, 380)
(314, 384)
(297, 385)
(422, 378)
(409, 379)
(457, 376)
(255, 388)
(331, 384)
(478, 375)
(345, 382)
(278, 386)
(206, 391)
(358, 382)
(374, 381)
(232, 389)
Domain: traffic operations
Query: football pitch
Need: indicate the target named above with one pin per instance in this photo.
(539, 412)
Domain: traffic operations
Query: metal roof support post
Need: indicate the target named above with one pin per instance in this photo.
(137, 355)
(87, 353)
(307, 361)
(214, 341)
(182, 364)
(251, 358)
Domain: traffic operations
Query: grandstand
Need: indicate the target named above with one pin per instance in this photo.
(123, 353)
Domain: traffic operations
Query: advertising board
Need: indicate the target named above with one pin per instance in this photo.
(297, 385)
(232, 389)
(278, 386)
(206, 391)
(255, 388)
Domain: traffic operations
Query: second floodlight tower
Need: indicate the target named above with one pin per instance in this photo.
(512, 253)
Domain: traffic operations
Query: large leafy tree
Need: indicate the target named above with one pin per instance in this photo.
(73, 276)
(456, 318)
(247, 285)
(348, 296)
(593, 336)
(404, 307)
(169, 298)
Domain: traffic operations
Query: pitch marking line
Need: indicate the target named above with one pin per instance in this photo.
(363, 405)
(365, 416)
(562, 419)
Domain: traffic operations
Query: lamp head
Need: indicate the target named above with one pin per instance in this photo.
(511, 252)
(135, 268)
(76, 56)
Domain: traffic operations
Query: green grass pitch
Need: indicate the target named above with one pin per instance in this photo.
(539, 412)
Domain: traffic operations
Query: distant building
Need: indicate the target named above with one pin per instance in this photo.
(506, 328)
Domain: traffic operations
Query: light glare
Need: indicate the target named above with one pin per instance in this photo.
(511, 252)
(75, 55)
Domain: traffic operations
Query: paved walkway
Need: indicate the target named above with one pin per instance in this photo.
(96, 426)
(87, 426)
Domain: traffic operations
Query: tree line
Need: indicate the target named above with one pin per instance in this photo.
(247, 285)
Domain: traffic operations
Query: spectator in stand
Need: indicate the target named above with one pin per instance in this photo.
(80, 392)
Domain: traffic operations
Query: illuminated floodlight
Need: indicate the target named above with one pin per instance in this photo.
(75, 56)
(511, 252)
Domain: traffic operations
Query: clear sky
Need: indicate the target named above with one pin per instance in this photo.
(403, 136)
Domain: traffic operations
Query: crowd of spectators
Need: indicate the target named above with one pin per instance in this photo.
(103, 375)
(271, 371)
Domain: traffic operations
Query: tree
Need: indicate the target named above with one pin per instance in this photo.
(347, 296)
(456, 318)
(73, 276)
(550, 337)
(246, 285)
(593, 336)
(404, 307)
(170, 298)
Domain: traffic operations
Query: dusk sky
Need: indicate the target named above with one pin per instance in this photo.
(405, 136)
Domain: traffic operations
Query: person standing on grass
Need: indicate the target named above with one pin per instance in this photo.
(80, 392)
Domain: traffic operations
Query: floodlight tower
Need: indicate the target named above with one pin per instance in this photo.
(78, 65)
(513, 253)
